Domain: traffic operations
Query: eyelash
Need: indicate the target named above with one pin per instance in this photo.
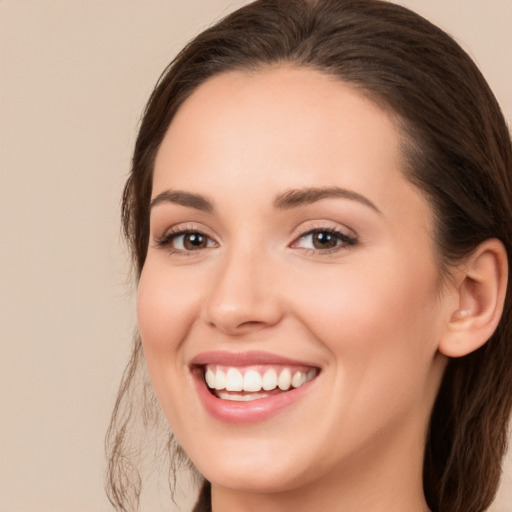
(166, 240)
(344, 240)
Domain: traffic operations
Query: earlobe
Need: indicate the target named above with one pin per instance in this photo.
(481, 293)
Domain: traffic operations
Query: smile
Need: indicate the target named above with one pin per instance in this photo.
(254, 382)
(251, 386)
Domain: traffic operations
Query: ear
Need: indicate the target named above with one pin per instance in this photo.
(481, 286)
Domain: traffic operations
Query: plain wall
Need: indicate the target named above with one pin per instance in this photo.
(74, 76)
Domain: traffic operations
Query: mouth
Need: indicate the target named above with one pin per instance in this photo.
(254, 382)
(249, 387)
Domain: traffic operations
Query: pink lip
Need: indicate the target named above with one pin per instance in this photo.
(245, 412)
(250, 358)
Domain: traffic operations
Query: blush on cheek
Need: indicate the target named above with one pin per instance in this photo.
(161, 309)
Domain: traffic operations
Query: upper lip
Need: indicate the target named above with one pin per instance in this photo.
(249, 358)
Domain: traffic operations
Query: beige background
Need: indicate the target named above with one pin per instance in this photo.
(74, 75)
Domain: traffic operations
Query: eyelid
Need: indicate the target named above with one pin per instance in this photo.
(327, 225)
(347, 237)
(173, 232)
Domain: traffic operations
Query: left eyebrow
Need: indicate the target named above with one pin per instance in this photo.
(303, 196)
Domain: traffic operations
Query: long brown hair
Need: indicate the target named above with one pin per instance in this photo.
(458, 152)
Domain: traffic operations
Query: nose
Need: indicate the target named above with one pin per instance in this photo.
(244, 296)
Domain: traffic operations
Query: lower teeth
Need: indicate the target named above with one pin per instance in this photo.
(243, 397)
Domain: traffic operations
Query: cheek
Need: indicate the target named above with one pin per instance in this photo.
(380, 329)
(166, 309)
(369, 313)
(165, 305)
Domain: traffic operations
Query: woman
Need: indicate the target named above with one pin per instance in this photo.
(319, 212)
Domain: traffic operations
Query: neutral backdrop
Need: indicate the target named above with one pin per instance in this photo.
(74, 76)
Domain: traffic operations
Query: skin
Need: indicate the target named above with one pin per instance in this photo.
(369, 315)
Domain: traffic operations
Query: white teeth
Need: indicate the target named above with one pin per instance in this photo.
(241, 398)
(209, 376)
(298, 379)
(285, 379)
(252, 381)
(269, 380)
(234, 380)
(220, 380)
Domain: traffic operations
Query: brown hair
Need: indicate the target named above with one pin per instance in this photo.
(458, 153)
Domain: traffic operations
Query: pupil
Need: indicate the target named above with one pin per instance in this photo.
(194, 241)
(322, 240)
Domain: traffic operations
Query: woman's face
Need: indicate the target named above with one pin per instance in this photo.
(287, 250)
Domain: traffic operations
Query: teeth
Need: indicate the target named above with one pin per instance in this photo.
(253, 381)
(298, 379)
(220, 380)
(241, 398)
(234, 380)
(269, 380)
(210, 378)
(285, 379)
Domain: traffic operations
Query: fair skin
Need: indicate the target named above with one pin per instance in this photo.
(344, 282)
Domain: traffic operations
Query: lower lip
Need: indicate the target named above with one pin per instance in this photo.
(230, 411)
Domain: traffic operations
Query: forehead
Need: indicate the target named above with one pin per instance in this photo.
(279, 120)
(246, 137)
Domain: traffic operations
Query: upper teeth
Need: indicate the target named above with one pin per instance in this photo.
(253, 380)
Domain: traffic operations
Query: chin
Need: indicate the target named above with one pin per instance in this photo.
(260, 471)
(258, 480)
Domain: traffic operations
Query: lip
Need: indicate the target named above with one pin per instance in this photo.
(250, 358)
(262, 409)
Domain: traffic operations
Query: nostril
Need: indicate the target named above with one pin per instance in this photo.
(241, 298)
(252, 323)
(234, 325)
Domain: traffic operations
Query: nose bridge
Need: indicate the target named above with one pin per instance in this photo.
(243, 295)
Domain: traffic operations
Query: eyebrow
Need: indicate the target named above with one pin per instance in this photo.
(303, 196)
(184, 199)
(287, 200)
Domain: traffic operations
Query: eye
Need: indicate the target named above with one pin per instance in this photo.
(324, 240)
(185, 240)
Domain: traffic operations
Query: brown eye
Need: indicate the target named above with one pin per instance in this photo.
(324, 240)
(194, 241)
(186, 241)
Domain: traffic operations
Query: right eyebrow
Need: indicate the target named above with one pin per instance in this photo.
(182, 198)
